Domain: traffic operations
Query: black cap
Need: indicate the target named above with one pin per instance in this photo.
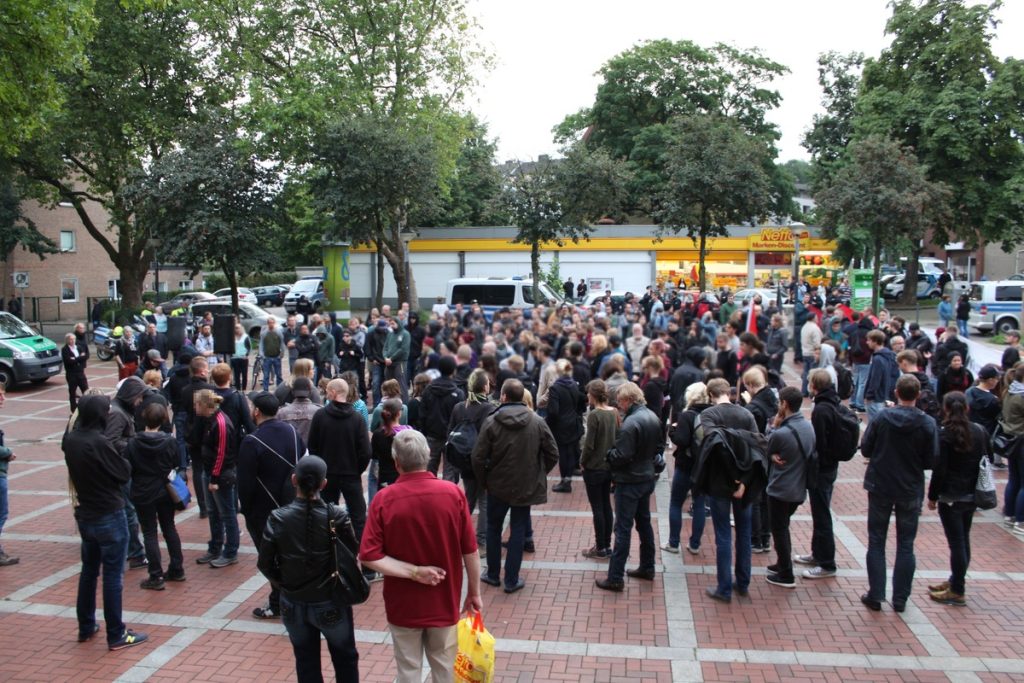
(914, 327)
(989, 372)
(265, 402)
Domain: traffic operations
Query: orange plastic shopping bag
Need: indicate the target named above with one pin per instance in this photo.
(474, 662)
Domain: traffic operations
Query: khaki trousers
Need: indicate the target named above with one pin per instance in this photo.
(438, 644)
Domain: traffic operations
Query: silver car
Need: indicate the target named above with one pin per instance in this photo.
(252, 317)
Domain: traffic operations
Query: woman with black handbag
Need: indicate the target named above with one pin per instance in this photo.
(308, 552)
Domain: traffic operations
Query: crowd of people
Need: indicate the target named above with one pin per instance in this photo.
(495, 401)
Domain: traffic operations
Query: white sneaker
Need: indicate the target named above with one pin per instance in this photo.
(1018, 529)
(805, 559)
(693, 551)
(1008, 522)
(819, 573)
(670, 549)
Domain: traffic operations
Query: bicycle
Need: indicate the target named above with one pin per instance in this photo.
(257, 368)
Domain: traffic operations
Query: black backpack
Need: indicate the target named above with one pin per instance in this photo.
(846, 439)
(844, 381)
(458, 447)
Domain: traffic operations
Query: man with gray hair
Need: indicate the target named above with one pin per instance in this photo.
(422, 572)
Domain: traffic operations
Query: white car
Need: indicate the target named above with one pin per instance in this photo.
(767, 295)
(244, 294)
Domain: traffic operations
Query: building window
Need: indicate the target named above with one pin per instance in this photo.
(185, 285)
(113, 289)
(67, 240)
(69, 290)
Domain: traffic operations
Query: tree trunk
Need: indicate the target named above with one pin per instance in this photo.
(133, 273)
(232, 278)
(394, 252)
(414, 297)
(535, 271)
(876, 269)
(909, 296)
(379, 299)
(701, 271)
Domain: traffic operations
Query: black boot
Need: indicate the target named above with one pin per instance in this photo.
(564, 486)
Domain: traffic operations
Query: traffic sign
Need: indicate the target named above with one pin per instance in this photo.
(21, 280)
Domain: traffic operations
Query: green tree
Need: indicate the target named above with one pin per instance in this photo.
(15, 228)
(39, 41)
(716, 178)
(940, 90)
(557, 202)
(122, 111)
(884, 193)
(211, 202)
(368, 172)
(830, 133)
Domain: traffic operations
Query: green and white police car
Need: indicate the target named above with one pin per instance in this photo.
(25, 355)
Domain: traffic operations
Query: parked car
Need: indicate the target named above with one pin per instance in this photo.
(186, 299)
(995, 305)
(306, 296)
(244, 294)
(25, 355)
(271, 295)
(767, 295)
(252, 317)
(618, 297)
(927, 287)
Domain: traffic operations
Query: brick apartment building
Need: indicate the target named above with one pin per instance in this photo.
(62, 286)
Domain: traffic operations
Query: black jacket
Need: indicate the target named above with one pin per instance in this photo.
(262, 475)
(763, 406)
(74, 366)
(296, 554)
(718, 468)
(306, 346)
(339, 435)
(637, 445)
(900, 444)
(940, 359)
(985, 408)
(218, 448)
(825, 420)
(436, 406)
(685, 375)
(152, 456)
(350, 356)
(476, 413)
(956, 472)
(684, 436)
(374, 344)
(96, 469)
(236, 407)
(177, 380)
(566, 404)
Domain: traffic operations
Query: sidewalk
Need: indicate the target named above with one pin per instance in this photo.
(559, 628)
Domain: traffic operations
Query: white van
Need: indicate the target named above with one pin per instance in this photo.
(493, 293)
(995, 305)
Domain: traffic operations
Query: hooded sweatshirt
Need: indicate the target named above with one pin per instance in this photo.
(121, 420)
(900, 443)
(882, 376)
(397, 343)
(828, 357)
(339, 435)
(152, 456)
(96, 469)
(1013, 409)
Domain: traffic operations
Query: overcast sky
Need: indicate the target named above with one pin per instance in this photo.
(547, 52)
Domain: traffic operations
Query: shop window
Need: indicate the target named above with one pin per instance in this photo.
(69, 290)
(67, 240)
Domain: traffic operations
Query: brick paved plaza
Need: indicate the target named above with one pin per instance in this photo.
(560, 628)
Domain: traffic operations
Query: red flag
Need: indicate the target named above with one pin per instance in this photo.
(752, 319)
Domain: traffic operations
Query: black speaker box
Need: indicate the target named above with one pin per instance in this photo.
(224, 334)
(175, 333)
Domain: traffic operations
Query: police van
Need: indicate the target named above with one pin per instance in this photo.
(995, 305)
(495, 293)
(25, 355)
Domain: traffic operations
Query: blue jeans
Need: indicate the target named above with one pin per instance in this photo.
(880, 511)
(372, 483)
(3, 503)
(632, 504)
(271, 365)
(496, 511)
(221, 506)
(180, 419)
(961, 326)
(860, 383)
(681, 485)
(823, 541)
(305, 622)
(808, 366)
(1014, 493)
(104, 543)
(135, 548)
(720, 509)
(874, 408)
(376, 379)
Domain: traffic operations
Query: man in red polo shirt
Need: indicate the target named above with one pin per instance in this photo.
(418, 535)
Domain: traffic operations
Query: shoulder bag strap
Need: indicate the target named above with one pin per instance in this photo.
(799, 444)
